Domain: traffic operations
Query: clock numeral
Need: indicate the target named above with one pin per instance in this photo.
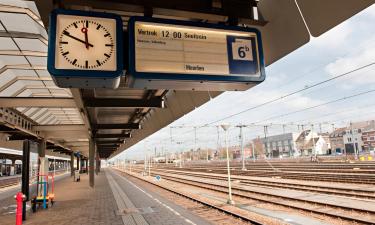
(87, 24)
(105, 54)
(98, 27)
(74, 61)
(75, 25)
(65, 53)
(97, 61)
(65, 32)
(109, 45)
(63, 42)
(87, 64)
(107, 34)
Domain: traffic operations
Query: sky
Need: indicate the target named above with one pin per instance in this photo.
(345, 48)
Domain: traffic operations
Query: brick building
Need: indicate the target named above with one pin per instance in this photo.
(368, 136)
(337, 141)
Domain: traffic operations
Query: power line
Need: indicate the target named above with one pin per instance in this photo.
(319, 105)
(292, 93)
(256, 124)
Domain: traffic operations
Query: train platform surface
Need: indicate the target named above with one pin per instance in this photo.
(114, 201)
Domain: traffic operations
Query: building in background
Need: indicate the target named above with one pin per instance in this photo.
(259, 149)
(337, 141)
(305, 142)
(282, 145)
(353, 137)
(368, 136)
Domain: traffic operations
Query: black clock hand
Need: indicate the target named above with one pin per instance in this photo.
(85, 30)
(77, 39)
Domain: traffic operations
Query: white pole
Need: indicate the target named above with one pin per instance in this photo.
(149, 165)
(180, 158)
(312, 133)
(252, 146)
(54, 166)
(145, 162)
(242, 150)
(354, 147)
(230, 200)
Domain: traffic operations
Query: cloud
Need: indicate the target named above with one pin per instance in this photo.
(353, 61)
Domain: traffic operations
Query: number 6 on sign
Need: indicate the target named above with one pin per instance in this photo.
(241, 50)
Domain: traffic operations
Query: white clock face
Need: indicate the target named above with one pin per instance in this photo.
(85, 43)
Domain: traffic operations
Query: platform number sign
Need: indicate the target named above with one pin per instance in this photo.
(241, 53)
(241, 50)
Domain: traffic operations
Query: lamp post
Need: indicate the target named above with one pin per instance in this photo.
(225, 128)
(179, 143)
(252, 147)
(149, 162)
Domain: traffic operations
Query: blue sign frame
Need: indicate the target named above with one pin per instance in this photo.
(73, 73)
(192, 77)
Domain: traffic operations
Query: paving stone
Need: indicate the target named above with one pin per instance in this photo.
(76, 203)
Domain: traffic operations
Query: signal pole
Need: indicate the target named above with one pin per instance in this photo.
(265, 140)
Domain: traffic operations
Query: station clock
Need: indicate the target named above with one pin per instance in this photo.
(85, 49)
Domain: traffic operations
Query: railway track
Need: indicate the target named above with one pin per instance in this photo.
(354, 178)
(340, 191)
(225, 210)
(9, 182)
(332, 210)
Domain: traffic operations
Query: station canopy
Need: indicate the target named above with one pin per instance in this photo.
(33, 107)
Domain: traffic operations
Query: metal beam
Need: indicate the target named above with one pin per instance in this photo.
(37, 102)
(107, 148)
(123, 126)
(7, 129)
(66, 134)
(155, 102)
(91, 162)
(57, 127)
(109, 142)
(112, 135)
(80, 149)
(77, 143)
(18, 137)
(196, 9)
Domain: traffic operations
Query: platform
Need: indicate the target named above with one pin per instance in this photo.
(114, 201)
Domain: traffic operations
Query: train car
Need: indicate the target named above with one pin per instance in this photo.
(6, 167)
(11, 162)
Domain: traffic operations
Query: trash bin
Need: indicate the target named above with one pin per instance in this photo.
(77, 177)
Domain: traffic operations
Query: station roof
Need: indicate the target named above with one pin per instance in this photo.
(120, 118)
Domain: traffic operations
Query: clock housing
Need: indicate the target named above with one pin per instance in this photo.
(85, 49)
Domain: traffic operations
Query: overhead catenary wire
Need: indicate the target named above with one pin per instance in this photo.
(318, 105)
(287, 95)
(255, 124)
(292, 93)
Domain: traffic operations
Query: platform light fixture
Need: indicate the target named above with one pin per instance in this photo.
(225, 128)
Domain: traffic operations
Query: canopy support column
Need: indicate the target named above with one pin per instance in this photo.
(91, 161)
